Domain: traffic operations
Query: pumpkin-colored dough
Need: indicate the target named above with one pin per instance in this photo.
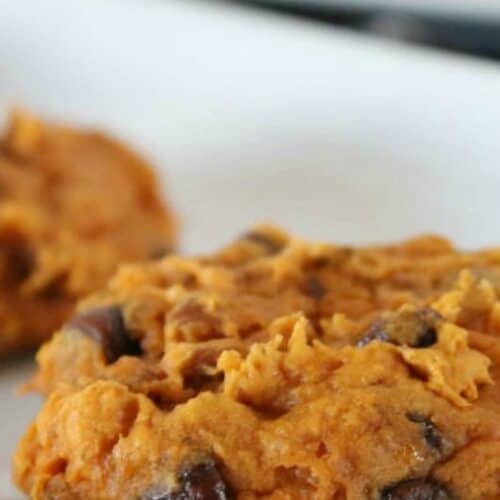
(73, 205)
(277, 369)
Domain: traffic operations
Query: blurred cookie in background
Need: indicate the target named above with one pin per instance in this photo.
(74, 204)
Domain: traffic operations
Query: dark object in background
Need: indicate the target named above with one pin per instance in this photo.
(477, 36)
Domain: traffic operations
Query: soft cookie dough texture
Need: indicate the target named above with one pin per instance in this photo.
(277, 369)
(73, 205)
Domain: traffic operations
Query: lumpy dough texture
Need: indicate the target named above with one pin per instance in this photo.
(73, 205)
(277, 369)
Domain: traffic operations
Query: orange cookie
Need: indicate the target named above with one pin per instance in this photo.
(73, 205)
(277, 369)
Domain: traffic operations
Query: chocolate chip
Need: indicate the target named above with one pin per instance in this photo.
(377, 331)
(55, 290)
(157, 496)
(271, 246)
(314, 288)
(159, 252)
(204, 482)
(22, 263)
(430, 432)
(199, 381)
(18, 261)
(416, 489)
(105, 325)
(199, 371)
(201, 481)
(414, 328)
(427, 338)
(194, 323)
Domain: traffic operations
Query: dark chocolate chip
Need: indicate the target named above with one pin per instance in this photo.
(426, 338)
(159, 252)
(55, 289)
(376, 331)
(194, 323)
(430, 432)
(271, 246)
(159, 494)
(19, 262)
(416, 489)
(412, 328)
(199, 371)
(314, 288)
(199, 381)
(202, 481)
(105, 325)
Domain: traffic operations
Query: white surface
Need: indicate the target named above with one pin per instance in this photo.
(262, 118)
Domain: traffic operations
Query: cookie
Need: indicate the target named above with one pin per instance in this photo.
(73, 205)
(276, 369)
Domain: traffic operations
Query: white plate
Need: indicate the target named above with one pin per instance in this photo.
(256, 117)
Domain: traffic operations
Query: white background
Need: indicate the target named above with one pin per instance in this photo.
(252, 117)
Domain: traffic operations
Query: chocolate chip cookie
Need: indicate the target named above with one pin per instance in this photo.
(277, 369)
(73, 205)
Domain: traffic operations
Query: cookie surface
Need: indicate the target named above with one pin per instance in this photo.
(277, 369)
(73, 205)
